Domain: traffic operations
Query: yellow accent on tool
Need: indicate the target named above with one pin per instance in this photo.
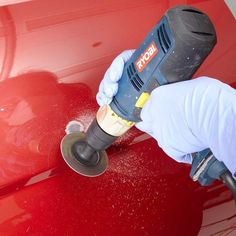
(142, 100)
(127, 122)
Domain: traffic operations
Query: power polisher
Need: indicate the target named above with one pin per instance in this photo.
(172, 51)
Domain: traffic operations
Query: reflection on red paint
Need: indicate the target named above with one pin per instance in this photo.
(34, 110)
(8, 31)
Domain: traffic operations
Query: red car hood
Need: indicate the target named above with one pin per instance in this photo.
(54, 55)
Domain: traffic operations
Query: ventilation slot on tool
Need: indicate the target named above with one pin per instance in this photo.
(118, 106)
(193, 11)
(135, 80)
(163, 38)
(202, 33)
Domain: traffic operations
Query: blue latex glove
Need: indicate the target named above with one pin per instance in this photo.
(109, 85)
(184, 117)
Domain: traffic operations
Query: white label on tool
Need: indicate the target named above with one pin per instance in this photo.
(146, 57)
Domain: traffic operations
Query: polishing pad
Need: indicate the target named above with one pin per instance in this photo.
(91, 170)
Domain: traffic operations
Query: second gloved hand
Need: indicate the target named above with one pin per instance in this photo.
(190, 116)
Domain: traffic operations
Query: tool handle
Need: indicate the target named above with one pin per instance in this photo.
(206, 169)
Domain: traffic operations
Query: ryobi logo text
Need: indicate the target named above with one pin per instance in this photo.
(146, 57)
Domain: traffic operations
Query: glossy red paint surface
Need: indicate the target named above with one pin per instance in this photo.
(53, 59)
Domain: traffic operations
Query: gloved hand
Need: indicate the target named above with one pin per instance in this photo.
(109, 85)
(185, 117)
